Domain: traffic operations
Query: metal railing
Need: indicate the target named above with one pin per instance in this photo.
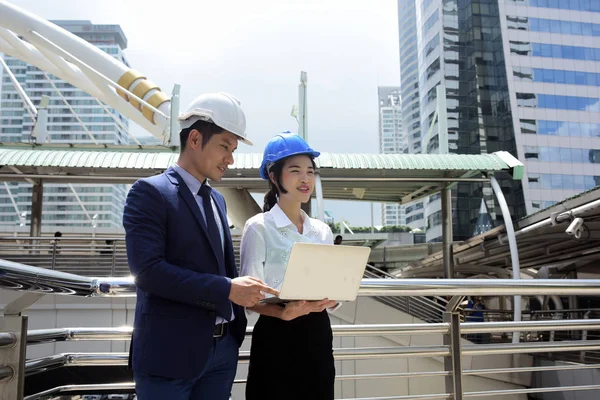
(428, 309)
(120, 359)
(37, 281)
(81, 255)
(556, 335)
(107, 256)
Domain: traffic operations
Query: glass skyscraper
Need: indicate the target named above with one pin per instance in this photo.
(391, 141)
(520, 76)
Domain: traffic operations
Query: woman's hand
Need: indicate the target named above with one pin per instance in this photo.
(295, 309)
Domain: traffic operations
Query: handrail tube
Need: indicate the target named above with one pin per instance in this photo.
(363, 353)
(37, 365)
(440, 396)
(532, 390)
(6, 373)
(131, 386)
(390, 329)
(359, 353)
(66, 334)
(124, 333)
(34, 366)
(392, 375)
(565, 310)
(7, 339)
(118, 387)
(482, 287)
(22, 277)
(83, 388)
(429, 374)
(529, 369)
(524, 326)
(505, 348)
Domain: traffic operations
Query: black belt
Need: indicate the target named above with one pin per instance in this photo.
(220, 330)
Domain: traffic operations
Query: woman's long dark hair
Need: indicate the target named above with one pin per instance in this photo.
(273, 193)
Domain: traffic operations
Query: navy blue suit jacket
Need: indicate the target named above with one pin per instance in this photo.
(176, 271)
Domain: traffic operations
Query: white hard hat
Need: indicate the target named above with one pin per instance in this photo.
(221, 109)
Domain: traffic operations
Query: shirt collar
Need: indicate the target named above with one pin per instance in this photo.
(281, 220)
(190, 180)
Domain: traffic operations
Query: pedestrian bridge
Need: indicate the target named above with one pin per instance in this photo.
(381, 352)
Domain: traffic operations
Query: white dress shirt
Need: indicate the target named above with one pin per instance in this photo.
(267, 241)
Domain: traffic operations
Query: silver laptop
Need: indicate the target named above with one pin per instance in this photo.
(322, 271)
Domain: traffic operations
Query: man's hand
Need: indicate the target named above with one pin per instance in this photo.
(247, 291)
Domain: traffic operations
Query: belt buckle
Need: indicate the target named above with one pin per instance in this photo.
(218, 330)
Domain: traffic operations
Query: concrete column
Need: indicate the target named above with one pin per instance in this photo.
(447, 233)
(241, 206)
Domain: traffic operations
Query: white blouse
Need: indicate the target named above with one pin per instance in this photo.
(267, 241)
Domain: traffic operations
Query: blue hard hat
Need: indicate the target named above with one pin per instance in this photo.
(283, 145)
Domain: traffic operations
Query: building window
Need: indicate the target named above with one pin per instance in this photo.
(430, 22)
(567, 182)
(556, 76)
(574, 103)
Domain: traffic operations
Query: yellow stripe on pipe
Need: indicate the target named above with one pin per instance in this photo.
(155, 101)
(140, 90)
(126, 80)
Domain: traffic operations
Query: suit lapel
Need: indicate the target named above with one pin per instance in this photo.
(187, 196)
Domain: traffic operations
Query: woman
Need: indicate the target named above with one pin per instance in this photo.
(291, 355)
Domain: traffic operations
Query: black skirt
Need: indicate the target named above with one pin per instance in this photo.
(291, 359)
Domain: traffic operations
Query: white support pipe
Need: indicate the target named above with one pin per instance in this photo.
(80, 203)
(12, 200)
(173, 139)
(28, 103)
(302, 105)
(319, 196)
(514, 250)
(40, 127)
(47, 61)
(10, 44)
(70, 108)
(560, 218)
(347, 227)
(98, 75)
(442, 119)
(43, 44)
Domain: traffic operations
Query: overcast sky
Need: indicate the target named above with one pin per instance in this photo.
(256, 50)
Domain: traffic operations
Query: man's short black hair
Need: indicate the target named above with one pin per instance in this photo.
(207, 129)
(338, 237)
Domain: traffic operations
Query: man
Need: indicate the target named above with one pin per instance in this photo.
(338, 240)
(189, 318)
(56, 243)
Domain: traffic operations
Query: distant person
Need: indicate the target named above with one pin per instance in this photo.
(110, 247)
(55, 243)
(297, 335)
(338, 239)
(475, 314)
